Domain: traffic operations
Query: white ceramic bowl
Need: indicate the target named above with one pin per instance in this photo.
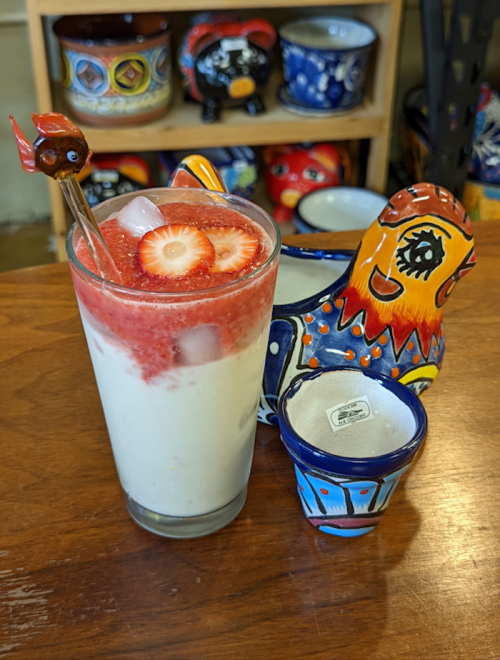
(328, 33)
(338, 209)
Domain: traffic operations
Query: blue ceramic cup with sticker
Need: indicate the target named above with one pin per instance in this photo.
(351, 434)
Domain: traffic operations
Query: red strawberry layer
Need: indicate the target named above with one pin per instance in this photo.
(123, 247)
(150, 332)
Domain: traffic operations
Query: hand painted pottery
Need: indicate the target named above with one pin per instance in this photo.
(481, 200)
(236, 165)
(485, 158)
(293, 170)
(385, 311)
(116, 69)
(324, 63)
(110, 175)
(338, 209)
(351, 434)
(226, 63)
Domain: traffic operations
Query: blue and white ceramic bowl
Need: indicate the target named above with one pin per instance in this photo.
(340, 208)
(351, 433)
(324, 62)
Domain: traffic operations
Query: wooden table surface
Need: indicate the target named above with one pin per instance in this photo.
(80, 580)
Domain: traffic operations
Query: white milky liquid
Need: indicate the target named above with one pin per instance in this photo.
(392, 426)
(183, 443)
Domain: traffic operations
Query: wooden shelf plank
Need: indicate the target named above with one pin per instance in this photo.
(48, 7)
(182, 128)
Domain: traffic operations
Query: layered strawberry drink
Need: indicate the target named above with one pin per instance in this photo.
(178, 348)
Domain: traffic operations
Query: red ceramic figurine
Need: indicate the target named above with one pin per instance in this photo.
(292, 171)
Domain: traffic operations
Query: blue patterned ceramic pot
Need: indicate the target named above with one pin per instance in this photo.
(116, 69)
(351, 434)
(324, 63)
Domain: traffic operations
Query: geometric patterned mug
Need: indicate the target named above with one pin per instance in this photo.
(116, 70)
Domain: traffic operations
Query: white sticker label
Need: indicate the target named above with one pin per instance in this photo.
(236, 43)
(345, 414)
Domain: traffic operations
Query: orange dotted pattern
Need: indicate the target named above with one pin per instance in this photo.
(327, 308)
(349, 355)
(338, 303)
(323, 329)
(383, 339)
(356, 331)
(308, 318)
(306, 340)
(313, 362)
(416, 359)
(410, 346)
(376, 351)
(395, 372)
(365, 360)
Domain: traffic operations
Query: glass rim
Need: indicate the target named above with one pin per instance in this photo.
(215, 290)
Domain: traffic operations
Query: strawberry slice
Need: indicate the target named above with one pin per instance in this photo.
(234, 248)
(175, 251)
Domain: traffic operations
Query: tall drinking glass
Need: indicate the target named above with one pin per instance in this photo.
(179, 376)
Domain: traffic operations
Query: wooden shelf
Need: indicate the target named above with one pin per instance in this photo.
(182, 128)
(55, 7)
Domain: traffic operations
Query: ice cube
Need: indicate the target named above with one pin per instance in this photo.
(199, 345)
(140, 216)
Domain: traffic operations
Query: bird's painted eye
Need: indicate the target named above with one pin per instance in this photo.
(312, 174)
(422, 254)
(280, 169)
(72, 156)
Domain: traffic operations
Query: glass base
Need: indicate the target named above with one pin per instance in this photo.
(188, 527)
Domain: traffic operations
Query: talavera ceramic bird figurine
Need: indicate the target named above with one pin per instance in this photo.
(385, 312)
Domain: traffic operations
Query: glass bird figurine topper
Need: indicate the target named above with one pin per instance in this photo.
(61, 152)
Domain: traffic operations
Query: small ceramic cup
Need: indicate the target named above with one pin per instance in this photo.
(351, 434)
(324, 63)
(116, 69)
(339, 208)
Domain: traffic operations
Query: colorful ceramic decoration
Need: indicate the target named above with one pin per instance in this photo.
(324, 64)
(116, 69)
(294, 170)
(236, 165)
(197, 172)
(481, 200)
(346, 462)
(385, 312)
(109, 175)
(485, 159)
(226, 63)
